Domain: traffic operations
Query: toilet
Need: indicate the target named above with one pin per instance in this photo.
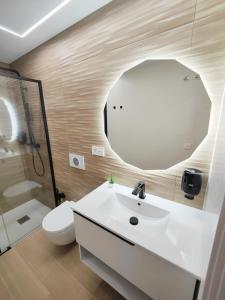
(58, 224)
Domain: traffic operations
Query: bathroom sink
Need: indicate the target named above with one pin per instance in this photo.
(133, 215)
(121, 206)
(160, 226)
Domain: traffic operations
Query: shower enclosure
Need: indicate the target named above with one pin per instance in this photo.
(27, 184)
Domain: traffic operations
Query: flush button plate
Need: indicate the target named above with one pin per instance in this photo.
(76, 161)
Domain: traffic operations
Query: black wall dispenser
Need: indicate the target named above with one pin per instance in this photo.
(191, 183)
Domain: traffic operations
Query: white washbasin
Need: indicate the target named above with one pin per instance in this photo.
(118, 204)
(180, 234)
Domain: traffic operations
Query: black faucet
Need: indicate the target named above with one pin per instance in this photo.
(140, 190)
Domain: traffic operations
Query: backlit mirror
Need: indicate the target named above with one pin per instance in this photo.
(8, 121)
(157, 114)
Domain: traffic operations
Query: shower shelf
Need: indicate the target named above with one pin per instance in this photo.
(20, 188)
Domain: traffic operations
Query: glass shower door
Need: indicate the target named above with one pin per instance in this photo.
(4, 241)
(27, 192)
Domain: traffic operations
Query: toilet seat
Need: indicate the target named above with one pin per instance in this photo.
(59, 224)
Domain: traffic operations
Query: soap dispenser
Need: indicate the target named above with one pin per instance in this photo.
(191, 183)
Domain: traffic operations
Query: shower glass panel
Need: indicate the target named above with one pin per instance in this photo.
(26, 182)
(4, 241)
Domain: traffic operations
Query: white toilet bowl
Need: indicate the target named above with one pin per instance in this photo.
(59, 225)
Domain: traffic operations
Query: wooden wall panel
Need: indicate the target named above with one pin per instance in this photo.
(4, 65)
(79, 66)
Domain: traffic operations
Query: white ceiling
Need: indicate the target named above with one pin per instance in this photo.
(19, 16)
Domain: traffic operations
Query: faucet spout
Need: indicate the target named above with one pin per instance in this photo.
(139, 190)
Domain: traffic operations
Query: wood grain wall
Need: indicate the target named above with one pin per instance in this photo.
(3, 65)
(79, 66)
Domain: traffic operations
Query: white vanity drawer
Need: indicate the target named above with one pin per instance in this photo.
(155, 276)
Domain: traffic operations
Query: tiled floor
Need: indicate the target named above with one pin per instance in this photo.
(35, 269)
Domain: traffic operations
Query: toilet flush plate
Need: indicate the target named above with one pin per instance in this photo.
(76, 161)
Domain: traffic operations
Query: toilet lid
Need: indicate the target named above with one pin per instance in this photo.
(59, 218)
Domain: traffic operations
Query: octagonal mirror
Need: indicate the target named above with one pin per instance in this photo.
(157, 114)
(6, 127)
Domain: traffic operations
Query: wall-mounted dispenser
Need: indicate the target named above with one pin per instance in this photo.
(191, 183)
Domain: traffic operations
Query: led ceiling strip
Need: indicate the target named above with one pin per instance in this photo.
(41, 21)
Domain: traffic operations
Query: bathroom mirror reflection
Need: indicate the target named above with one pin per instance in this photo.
(157, 114)
(8, 126)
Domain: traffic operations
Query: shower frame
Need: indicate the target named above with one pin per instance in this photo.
(11, 74)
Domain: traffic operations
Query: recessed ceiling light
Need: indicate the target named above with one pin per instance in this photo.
(41, 21)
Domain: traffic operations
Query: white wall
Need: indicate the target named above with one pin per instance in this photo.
(161, 112)
(216, 184)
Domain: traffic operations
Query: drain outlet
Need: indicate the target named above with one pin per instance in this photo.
(133, 221)
(23, 220)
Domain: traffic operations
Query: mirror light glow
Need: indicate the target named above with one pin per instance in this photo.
(41, 21)
(13, 119)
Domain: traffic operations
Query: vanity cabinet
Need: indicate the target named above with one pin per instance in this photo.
(136, 273)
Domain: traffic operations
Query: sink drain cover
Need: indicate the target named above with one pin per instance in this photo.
(133, 221)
